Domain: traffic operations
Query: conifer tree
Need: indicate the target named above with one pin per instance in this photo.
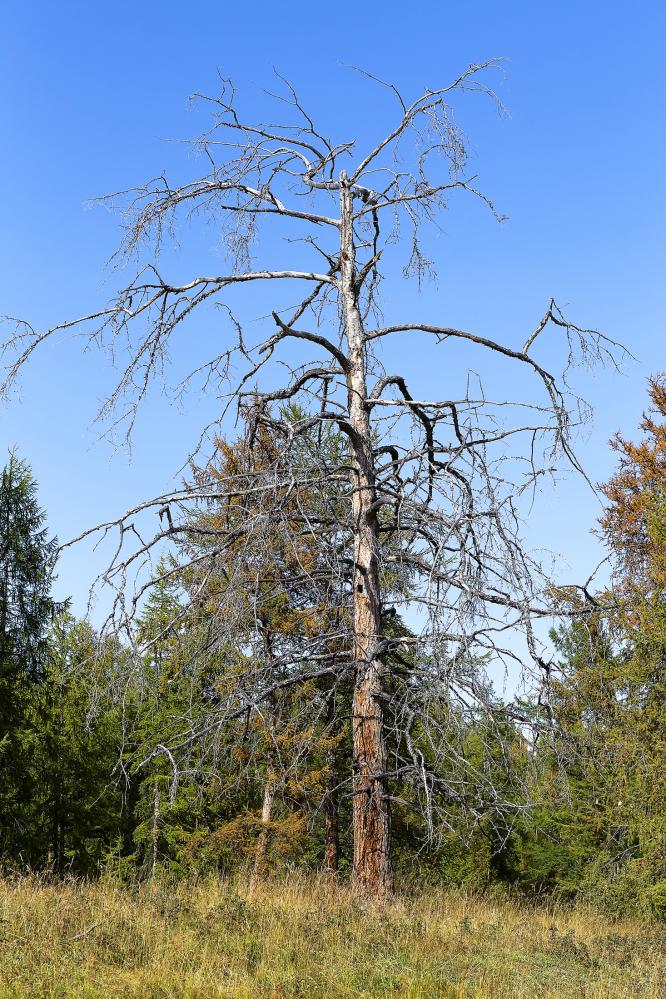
(634, 527)
(27, 565)
(603, 782)
(76, 810)
(164, 815)
(271, 629)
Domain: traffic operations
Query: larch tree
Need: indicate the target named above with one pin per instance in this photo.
(433, 527)
(633, 522)
(274, 604)
(603, 782)
(634, 528)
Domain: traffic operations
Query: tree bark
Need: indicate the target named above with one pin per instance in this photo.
(372, 870)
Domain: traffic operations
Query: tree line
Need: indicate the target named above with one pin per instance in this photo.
(561, 793)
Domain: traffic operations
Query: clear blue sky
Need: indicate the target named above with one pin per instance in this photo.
(90, 93)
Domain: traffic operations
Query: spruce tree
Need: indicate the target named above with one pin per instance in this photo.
(76, 810)
(27, 564)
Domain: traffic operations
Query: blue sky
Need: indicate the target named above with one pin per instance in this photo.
(92, 93)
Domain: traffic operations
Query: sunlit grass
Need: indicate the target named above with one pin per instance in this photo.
(308, 938)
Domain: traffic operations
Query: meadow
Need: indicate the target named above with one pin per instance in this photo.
(310, 938)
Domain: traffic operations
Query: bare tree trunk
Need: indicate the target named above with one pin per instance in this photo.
(372, 872)
(262, 843)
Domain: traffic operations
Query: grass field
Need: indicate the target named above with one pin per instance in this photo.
(309, 939)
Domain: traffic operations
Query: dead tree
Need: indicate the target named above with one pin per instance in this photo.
(434, 486)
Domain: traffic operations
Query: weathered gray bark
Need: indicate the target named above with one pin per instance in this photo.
(372, 871)
(259, 868)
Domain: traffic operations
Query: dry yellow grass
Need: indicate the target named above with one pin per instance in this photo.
(310, 939)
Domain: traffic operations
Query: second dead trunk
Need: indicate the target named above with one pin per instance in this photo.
(259, 869)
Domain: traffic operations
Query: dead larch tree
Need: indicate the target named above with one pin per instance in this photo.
(428, 518)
